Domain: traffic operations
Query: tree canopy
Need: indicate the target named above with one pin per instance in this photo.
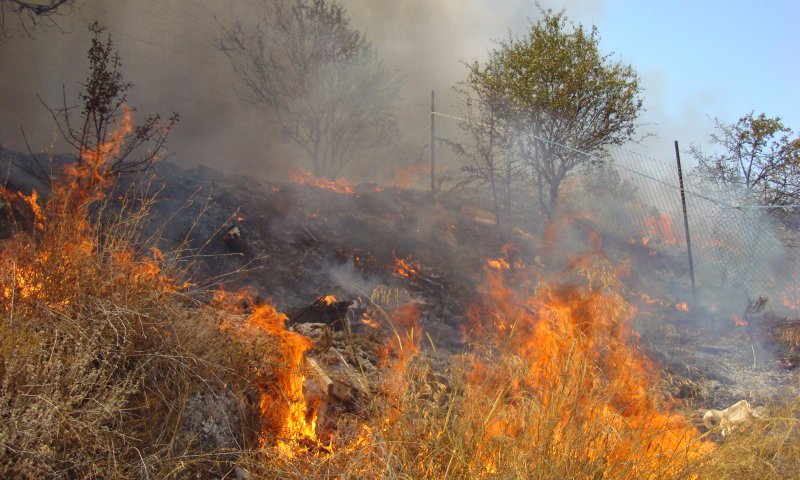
(567, 99)
(757, 154)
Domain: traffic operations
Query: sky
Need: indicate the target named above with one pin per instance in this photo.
(708, 59)
(697, 60)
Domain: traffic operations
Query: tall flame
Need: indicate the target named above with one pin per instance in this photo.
(579, 357)
(284, 409)
(660, 228)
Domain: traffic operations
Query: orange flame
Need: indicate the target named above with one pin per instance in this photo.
(407, 176)
(573, 341)
(284, 410)
(406, 267)
(498, 264)
(660, 227)
(44, 270)
(738, 321)
(329, 299)
(304, 178)
(403, 346)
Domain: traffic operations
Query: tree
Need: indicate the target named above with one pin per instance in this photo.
(490, 155)
(31, 14)
(568, 100)
(106, 143)
(759, 155)
(320, 81)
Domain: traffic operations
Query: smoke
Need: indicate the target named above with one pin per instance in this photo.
(169, 52)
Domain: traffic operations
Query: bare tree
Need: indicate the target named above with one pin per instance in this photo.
(490, 155)
(319, 80)
(31, 14)
(100, 128)
(759, 155)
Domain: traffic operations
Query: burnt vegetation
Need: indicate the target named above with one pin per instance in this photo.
(497, 329)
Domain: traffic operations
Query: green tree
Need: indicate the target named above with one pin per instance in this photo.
(319, 80)
(757, 154)
(568, 100)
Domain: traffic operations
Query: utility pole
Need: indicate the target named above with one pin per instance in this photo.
(685, 219)
(433, 143)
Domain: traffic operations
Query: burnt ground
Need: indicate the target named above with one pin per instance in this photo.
(295, 243)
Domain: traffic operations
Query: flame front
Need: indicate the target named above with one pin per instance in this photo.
(304, 178)
(660, 228)
(577, 363)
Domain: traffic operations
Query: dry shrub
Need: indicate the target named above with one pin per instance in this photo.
(106, 371)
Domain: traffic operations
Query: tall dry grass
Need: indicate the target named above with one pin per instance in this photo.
(106, 369)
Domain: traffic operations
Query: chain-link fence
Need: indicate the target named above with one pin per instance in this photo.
(736, 245)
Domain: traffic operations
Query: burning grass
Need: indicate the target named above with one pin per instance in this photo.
(103, 366)
(555, 388)
(108, 369)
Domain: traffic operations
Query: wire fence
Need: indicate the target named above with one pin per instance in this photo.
(737, 246)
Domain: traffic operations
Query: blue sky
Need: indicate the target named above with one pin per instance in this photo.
(698, 60)
(706, 59)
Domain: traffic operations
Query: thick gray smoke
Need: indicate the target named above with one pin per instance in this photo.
(169, 51)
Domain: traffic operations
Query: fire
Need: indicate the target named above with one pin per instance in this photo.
(93, 171)
(406, 267)
(304, 178)
(371, 323)
(683, 306)
(579, 363)
(43, 266)
(718, 245)
(738, 321)
(33, 201)
(660, 228)
(407, 176)
(403, 346)
(329, 299)
(498, 264)
(283, 404)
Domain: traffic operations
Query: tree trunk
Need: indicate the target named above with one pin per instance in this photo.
(507, 192)
(495, 199)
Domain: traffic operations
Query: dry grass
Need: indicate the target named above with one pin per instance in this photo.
(766, 448)
(105, 371)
